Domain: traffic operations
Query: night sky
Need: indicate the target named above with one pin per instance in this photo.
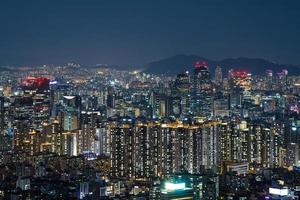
(138, 32)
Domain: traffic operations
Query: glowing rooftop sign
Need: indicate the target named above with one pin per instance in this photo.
(174, 186)
(280, 192)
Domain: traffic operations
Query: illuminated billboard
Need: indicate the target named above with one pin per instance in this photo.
(174, 186)
(280, 192)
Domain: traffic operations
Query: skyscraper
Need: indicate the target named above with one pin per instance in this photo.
(218, 76)
(202, 91)
(71, 110)
(181, 90)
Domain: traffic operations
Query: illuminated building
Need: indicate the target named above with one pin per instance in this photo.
(2, 114)
(71, 110)
(296, 88)
(159, 149)
(102, 147)
(239, 168)
(252, 142)
(121, 150)
(202, 91)
(282, 80)
(37, 88)
(87, 140)
(160, 105)
(51, 138)
(182, 82)
(35, 83)
(218, 76)
(282, 193)
(233, 141)
(255, 142)
(142, 152)
(176, 190)
(110, 102)
(31, 111)
(269, 80)
(292, 141)
(190, 148)
(58, 89)
(221, 106)
(225, 142)
(146, 129)
(277, 139)
(181, 91)
(240, 79)
(27, 142)
(69, 143)
(240, 84)
(235, 98)
(188, 186)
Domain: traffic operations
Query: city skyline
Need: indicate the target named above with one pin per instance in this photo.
(149, 100)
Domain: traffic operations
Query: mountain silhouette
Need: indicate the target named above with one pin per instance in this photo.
(180, 63)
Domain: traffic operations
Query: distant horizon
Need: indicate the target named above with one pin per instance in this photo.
(144, 64)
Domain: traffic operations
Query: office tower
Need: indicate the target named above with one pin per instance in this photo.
(110, 102)
(175, 106)
(221, 106)
(235, 97)
(51, 138)
(269, 80)
(218, 76)
(182, 90)
(21, 117)
(92, 103)
(29, 113)
(70, 112)
(240, 79)
(202, 91)
(160, 105)
(182, 83)
(282, 80)
(58, 89)
(37, 88)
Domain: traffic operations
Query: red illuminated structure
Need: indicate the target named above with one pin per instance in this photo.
(240, 78)
(199, 64)
(234, 73)
(35, 83)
